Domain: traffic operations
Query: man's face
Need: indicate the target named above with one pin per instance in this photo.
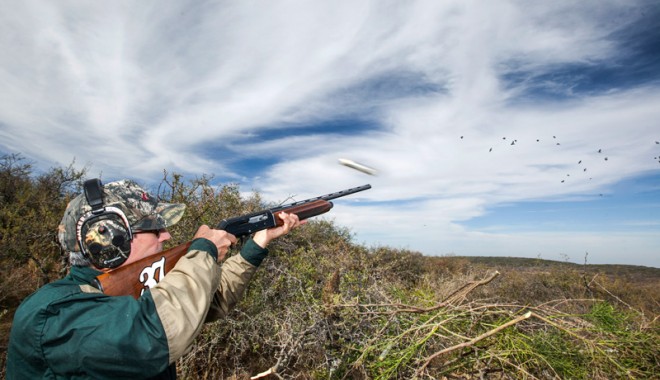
(146, 243)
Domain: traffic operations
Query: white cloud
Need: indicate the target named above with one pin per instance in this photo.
(147, 86)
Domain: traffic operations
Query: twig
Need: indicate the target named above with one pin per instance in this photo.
(270, 371)
(460, 293)
(284, 355)
(615, 297)
(472, 342)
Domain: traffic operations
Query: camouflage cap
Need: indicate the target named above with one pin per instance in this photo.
(144, 212)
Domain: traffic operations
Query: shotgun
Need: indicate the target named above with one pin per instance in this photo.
(133, 279)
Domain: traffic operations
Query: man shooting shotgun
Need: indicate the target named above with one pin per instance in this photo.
(134, 279)
(75, 327)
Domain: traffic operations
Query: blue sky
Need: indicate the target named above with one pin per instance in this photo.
(481, 117)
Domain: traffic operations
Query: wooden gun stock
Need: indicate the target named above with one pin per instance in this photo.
(133, 279)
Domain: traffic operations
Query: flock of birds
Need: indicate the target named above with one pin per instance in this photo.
(584, 169)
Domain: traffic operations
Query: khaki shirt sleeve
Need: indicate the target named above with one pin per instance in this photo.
(237, 272)
(183, 296)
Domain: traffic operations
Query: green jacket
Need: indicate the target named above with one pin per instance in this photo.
(69, 329)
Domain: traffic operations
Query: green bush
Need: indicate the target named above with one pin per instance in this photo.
(30, 211)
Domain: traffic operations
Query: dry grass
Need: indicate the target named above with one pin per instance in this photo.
(339, 311)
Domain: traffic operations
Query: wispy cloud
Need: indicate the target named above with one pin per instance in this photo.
(432, 94)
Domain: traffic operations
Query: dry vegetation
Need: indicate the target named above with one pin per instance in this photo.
(322, 307)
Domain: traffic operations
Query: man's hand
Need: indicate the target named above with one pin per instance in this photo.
(222, 239)
(263, 237)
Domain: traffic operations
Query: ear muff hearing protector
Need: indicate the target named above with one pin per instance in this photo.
(104, 234)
